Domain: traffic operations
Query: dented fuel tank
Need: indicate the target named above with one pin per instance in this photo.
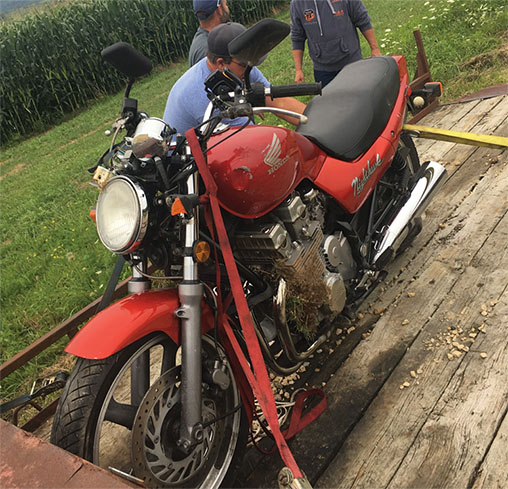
(256, 169)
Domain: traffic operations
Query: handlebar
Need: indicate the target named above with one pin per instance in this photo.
(294, 90)
(275, 110)
(258, 92)
(247, 111)
(248, 103)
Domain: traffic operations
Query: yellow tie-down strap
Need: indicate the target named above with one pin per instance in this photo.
(497, 142)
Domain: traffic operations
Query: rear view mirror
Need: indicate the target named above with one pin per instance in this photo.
(127, 60)
(257, 41)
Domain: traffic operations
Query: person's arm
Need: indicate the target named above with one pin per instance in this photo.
(361, 20)
(371, 39)
(298, 37)
(298, 59)
(287, 103)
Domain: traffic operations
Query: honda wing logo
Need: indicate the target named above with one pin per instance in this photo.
(272, 156)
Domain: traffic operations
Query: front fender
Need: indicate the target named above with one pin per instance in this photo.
(130, 319)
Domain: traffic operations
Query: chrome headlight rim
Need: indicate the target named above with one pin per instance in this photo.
(139, 230)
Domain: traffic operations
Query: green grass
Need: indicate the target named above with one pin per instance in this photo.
(52, 263)
(454, 32)
(43, 79)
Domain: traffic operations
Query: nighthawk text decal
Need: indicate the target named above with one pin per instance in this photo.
(359, 183)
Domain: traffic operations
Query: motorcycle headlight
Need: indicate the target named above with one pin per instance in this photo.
(122, 215)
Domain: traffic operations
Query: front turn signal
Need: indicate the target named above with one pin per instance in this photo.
(177, 207)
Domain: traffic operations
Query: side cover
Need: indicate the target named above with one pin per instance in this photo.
(350, 183)
(128, 320)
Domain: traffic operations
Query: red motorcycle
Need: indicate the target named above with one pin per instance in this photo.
(265, 235)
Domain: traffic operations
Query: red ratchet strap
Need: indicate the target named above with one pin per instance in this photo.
(260, 383)
(258, 376)
(222, 324)
(298, 422)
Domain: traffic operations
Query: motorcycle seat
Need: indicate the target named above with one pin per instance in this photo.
(354, 108)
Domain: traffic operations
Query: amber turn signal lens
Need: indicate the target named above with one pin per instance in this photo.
(201, 251)
(178, 207)
(93, 215)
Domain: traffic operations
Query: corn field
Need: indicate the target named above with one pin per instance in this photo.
(50, 62)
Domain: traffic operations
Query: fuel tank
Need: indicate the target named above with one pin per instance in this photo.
(259, 167)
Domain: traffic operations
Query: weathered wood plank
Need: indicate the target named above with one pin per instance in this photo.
(464, 176)
(378, 445)
(447, 117)
(413, 263)
(493, 472)
(439, 222)
(443, 219)
(450, 154)
(453, 441)
(364, 372)
(445, 111)
(351, 390)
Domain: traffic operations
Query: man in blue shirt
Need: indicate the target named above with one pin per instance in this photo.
(210, 14)
(187, 100)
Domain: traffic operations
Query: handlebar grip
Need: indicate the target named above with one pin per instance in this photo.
(295, 90)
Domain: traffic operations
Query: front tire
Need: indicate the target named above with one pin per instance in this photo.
(99, 406)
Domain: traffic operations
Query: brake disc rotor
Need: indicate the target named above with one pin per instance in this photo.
(155, 456)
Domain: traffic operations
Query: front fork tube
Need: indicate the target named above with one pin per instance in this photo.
(140, 369)
(190, 293)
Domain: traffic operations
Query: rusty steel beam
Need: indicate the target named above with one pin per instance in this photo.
(422, 67)
(28, 461)
(44, 414)
(420, 81)
(422, 76)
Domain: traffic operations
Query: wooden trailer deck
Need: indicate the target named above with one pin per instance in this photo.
(418, 390)
(417, 386)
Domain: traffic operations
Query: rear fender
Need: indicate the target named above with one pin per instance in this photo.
(130, 319)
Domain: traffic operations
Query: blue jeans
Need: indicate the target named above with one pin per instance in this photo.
(325, 77)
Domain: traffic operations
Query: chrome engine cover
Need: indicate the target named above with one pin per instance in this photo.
(338, 256)
(291, 243)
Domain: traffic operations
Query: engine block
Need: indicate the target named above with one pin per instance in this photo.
(293, 246)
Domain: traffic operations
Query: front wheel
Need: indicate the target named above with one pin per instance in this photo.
(99, 416)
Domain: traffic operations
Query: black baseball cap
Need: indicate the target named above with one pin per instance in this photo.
(220, 36)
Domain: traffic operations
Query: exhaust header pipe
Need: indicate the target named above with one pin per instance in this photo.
(429, 178)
